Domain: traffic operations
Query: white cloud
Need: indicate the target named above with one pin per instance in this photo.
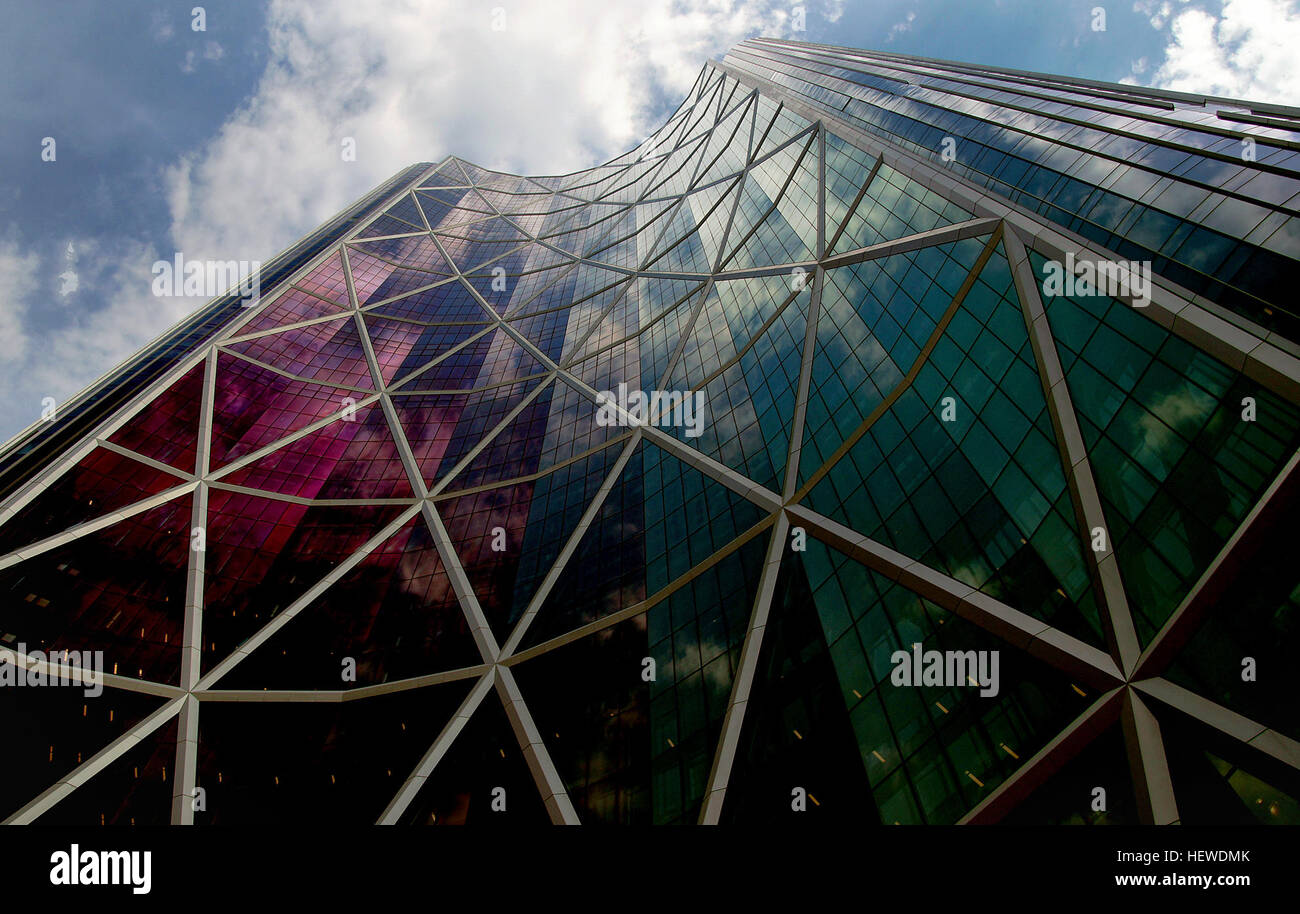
(53, 348)
(1156, 11)
(69, 280)
(212, 51)
(899, 27)
(18, 278)
(566, 85)
(161, 28)
(1247, 51)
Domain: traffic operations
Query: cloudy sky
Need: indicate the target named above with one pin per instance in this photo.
(224, 143)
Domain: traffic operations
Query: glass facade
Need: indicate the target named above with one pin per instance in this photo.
(764, 473)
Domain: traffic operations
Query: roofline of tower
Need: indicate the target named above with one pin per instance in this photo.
(1163, 94)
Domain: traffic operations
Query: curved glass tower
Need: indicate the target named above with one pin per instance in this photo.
(884, 438)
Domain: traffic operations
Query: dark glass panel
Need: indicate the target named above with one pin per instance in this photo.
(50, 731)
(135, 789)
(167, 428)
(263, 554)
(484, 759)
(633, 751)
(254, 406)
(1069, 796)
(317, 763)
(99, 484)
(393, 616)
(120, 590)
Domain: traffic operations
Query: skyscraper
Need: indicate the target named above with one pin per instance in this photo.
(884, 438)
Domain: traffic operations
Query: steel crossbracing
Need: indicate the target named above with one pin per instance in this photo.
(1127, 678)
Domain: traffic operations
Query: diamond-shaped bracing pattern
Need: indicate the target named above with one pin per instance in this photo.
(388, 519)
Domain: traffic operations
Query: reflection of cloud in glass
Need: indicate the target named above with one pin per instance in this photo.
(1186, 409)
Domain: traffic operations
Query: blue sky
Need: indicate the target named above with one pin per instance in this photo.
(224, 144)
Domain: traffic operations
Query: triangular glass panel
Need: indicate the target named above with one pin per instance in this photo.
(470, 255)
(1176, 467)
(829, 713)
(742, 387)
(894, 206)
(135, 789)
(167, 428)
(679, 170)
(733, 314)
(504, 291)
(384, 226)
(766, 234)
(962, 470)
(703, 218)
(660, 518)
(496, 229)
(451, 169)
(458, 369)
(776, 125)
(537, 518)
(429, 421)
(847, 170)
(445, 303)
(406, 210)
(254, 406)
(393, 616)
(874, 321)
(483, 765)
(585, 316)
(263, 554)
(484, 409)
(438, 179)
(487, 529)
(120, 590)
(512, 452)
(328, 281)
(99, 484)
(352, 457)
(401, 347)
(50, 732)
(573, 427)
(315, 763)
(726, 152)
(434, 210)
(617, 246)
(464, 208)
(610, 368)
(649, 299)
(546, 329)
(329, 352)
(634, 752)
(416, 251)
(638, 228)
(293, 307)
(376, 280)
